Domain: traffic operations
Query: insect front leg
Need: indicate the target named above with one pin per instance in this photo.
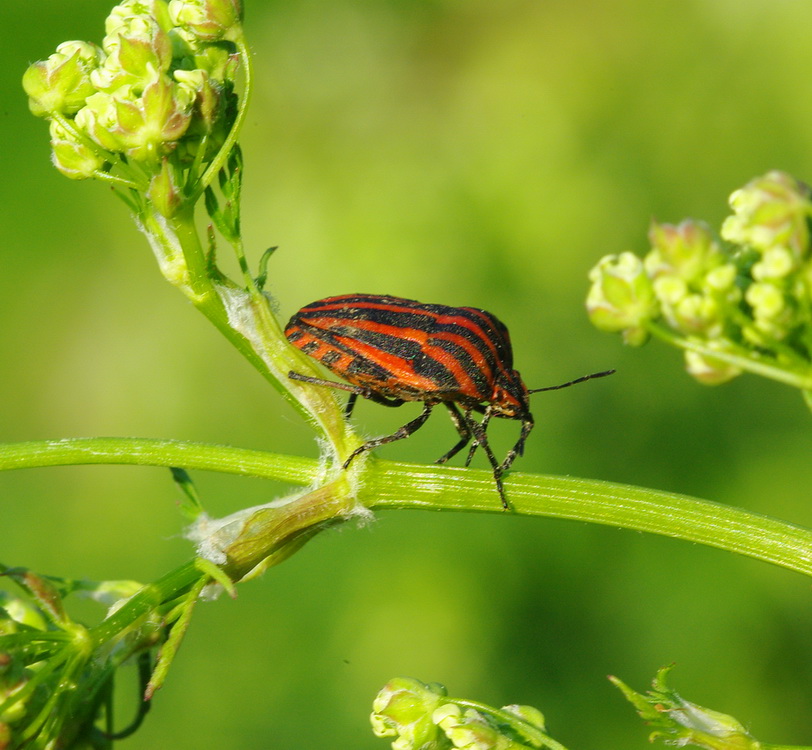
(481, 438)
(518, 449)
(402, 433)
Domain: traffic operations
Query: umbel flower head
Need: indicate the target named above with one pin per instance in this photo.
(732, 304)
(160, 88)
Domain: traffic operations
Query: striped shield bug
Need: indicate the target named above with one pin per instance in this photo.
(392, 350)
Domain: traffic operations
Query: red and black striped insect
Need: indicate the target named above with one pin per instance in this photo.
(392, 350)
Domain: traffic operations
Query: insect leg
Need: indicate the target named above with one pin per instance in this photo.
(481, 438)
(402, 433)
(518, 449)
(475, 444)
(350, 405)
(463, 430)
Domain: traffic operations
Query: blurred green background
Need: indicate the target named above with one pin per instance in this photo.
(470, 152)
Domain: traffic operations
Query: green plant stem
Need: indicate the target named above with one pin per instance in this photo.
(400, 485)
(169, 453)
(391, 485)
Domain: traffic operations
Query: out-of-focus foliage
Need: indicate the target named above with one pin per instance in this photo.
(470, 153)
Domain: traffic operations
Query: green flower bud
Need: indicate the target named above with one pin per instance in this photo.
(72, 157)
(766, 299)
(621, 297)
(98, 118)
(209, 20)
(775, 263)
(403, 709)
(164, 192)
(696, 313)
(771, 211)
(122, 15)
(684, 250)
(141, 52)
(529, 714)
(722, 279)
(149, 125)
(62, 82)
(469, 730)
(206, 96)
(709, 370)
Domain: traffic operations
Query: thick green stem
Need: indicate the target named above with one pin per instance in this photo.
(146, 452)
(390, 485)
(399, 485)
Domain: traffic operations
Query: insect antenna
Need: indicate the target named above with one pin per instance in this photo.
(582, 379)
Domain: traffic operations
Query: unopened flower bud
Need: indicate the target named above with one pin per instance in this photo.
(123, 14)
(709, 370)
(766, 299)
(775, 263)
(209, 20)
(403, 709)
(621, 297)
(149, 125)
(61, 83)
(99, 119)
(72, 157)
(771, 211)
(684, 250)
(722, 278)
(469, 730)
(164, 192)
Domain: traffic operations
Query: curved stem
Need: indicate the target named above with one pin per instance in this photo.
(168, 453)
(217, 163)
(397, 485)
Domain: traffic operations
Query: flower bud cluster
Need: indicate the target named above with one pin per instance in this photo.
(748, 298)
(160, 87)
(422, 717)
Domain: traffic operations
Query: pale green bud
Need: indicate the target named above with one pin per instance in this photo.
(766, 299)
(164, 192)
(709, 370)
(684, 250)
(71, 157)
(670, 289)
(771, 211)
(62, 82)
(209, 20)
(469, 730)
(529, 714)
(403, 709)
(621, 297)
(149, 125)
(722, 278)
(122, 15)
(205, 94)
(99, 119)
(143, 51)
(775, 263)
(697, 313)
